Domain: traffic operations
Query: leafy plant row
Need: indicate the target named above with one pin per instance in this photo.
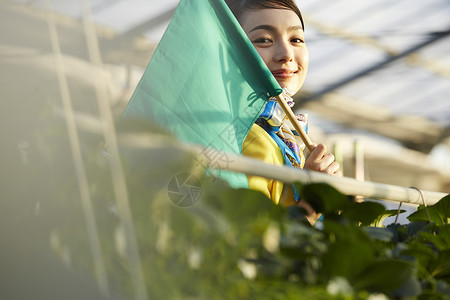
(232, 243)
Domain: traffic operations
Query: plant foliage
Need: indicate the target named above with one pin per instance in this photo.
(234, 243)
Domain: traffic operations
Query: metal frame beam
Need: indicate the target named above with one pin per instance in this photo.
(434, 37)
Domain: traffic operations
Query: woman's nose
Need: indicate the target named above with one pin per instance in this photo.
(284, 52)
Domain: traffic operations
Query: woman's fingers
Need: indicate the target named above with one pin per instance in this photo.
(317, 153)
(333, 168)
(338, 173)
(321, 161)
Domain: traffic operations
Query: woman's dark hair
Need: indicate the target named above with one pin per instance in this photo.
(239, 7)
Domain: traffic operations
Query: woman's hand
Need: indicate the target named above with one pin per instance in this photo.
(321, 161)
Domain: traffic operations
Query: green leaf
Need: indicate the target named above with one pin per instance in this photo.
(440, 267)
(347, 259)
(241, 206)
(324, 198)
(384, 276)
(378, 222)
(410, 288)
(346, 231)
(439, 213)
(379, 233)
(365, 212)
(302, 242)
(443, 206)
(441, 239)
(443, 288)
(415, 228)
(422, 252)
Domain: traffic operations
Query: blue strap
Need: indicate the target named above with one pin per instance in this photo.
(268, 110)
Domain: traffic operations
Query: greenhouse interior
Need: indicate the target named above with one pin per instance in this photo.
(377, 94)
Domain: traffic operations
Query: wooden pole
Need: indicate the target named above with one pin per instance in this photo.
(359, 166)
(116, 170)
(359, 161)
(339, 155)
(288, 111)
(75, 145)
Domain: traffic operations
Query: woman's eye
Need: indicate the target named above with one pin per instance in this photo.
(297, 41)
(262, 41)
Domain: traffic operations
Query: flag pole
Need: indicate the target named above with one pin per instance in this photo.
(287, 110)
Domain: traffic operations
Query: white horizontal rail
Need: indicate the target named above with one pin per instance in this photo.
(225, 161)
(251, 166)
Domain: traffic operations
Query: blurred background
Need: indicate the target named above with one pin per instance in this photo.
(377, 93)
(379, 74)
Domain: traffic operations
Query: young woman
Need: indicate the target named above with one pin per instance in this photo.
(276, 30)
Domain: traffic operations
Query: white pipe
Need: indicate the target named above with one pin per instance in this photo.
(251, 166)
(345, 185)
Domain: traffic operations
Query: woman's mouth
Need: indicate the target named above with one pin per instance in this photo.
(283, 73)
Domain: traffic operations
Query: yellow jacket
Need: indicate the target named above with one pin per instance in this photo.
(258, 144)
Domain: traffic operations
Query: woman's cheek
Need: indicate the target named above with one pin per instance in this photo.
(305, 59)
(264, 55)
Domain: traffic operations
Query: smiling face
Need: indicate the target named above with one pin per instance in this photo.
(277, 35)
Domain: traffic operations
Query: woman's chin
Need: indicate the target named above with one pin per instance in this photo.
(292, 86)
(291, 89)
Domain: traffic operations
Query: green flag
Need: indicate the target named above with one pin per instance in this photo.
(205, 83)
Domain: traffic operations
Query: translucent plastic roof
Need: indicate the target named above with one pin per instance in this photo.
(380, 55)
(400, 50)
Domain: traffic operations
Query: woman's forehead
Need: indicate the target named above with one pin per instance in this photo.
(270, 16)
